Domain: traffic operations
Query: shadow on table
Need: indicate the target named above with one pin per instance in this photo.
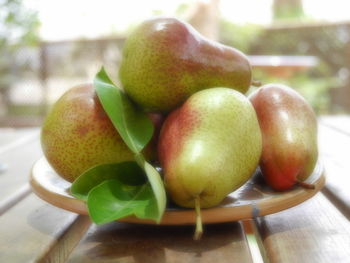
(157, 243)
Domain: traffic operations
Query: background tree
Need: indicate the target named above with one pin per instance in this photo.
(288, 9)
(18, 28)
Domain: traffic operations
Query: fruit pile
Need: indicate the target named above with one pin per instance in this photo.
(182, 111)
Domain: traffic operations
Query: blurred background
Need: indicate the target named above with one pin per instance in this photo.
(48, 46)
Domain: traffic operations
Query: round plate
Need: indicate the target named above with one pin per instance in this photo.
(253, 199)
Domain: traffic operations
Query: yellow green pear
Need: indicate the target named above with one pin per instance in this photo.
(77, 134)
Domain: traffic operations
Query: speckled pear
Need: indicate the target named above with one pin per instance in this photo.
(209, 147)
(165, 61)
(289, 130)
(77, 134)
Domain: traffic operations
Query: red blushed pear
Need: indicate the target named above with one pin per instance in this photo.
(77, 134)
(209, 147)
(289, 129)
(166, 60)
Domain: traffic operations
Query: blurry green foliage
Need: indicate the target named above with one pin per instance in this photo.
(313, 87)
(329, 43)
(288, 10)
(182, 9)
(18, 28)
(24, 110)
(18, 25)
(239, 36)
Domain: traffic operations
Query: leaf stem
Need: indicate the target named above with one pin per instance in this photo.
(140, 159)
(199, 226)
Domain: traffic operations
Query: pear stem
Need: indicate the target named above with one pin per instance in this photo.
(199, 227)
(305, 185)
(256, 83)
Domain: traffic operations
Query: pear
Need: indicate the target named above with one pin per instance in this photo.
(289, 130)
(77, 134)
(209, 147)
(165, 61)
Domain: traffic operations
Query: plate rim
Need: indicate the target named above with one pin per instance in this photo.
(186, 216)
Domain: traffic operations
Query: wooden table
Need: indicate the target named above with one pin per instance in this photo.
(315, 231)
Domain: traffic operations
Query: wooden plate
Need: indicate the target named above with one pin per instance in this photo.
(251, 200)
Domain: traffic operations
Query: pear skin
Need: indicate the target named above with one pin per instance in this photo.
(289, 130)
(209, 147)
(165, 61)
(77, 134)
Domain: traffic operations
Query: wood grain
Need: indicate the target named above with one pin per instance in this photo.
(334, 144)
(314, 231)
(8, 137)
(14, 198)
(31, 229)
(341, 123)
(255, 244)
(335, 151)
(19, 160)
(62, 247)
(129, 243)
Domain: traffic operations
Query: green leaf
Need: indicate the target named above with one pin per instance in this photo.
(133, 124)
(128, 173)
(156, 183)
(112, 200)
(109, 195)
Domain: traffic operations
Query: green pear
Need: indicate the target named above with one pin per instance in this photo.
(165, 61)
(209, 147)
(77, 134)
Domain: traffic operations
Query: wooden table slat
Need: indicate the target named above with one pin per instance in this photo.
(62, 248)
(313, 232)
(10, 137)
(337, 189)
(256, 246)
(14, 198)
(31, 229)
(128, 243)
(340, 123)
(335, 153)
(334, 144)
(19, 161)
